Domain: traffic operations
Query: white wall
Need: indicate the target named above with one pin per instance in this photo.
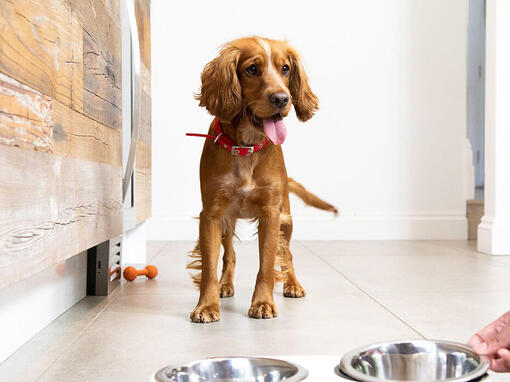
(388, 145)
(494, 229)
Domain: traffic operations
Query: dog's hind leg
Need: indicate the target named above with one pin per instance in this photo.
(229, 260)
(291, 286)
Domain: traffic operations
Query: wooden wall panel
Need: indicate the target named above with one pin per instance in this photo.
(33, 121)
(102, 78)
(143, 179)
(142, 10)
(146, 119)
(143, 172)
(143, 155)
(77, 136)
(67, 50)
(102, 57)
(41, 46)
(51, 208)
(60, 130)
(98, 17)
(60, 158)
(25, 116)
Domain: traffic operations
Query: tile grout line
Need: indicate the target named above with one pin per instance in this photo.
(121, 292)
(363, 291)
(79, 335)
(167, 243)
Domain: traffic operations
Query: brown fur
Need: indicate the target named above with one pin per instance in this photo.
(252, 187)
(309, 198)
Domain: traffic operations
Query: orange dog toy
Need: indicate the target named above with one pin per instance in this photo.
(150, 271)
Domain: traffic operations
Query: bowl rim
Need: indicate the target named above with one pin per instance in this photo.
(301, 374)
(346, 361)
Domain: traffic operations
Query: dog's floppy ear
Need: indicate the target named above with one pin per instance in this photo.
(305, 102)
(220, 93)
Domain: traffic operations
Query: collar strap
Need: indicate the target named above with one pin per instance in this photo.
(227, 143)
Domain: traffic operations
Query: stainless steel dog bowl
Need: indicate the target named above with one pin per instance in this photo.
(233, 369)
(415, 360)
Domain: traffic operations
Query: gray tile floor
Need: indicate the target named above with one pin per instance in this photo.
(358, 293)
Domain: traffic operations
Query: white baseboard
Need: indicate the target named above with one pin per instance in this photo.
(494, 236)
(413, 227)
(29, 305)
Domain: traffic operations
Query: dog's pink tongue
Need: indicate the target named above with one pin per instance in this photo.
(275, 129)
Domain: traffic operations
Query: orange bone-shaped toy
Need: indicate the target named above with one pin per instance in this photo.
(150, 271)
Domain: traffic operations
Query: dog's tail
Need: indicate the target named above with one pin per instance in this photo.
(309, 198)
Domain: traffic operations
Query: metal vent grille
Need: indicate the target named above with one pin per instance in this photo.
(104, 267)
(114, 269)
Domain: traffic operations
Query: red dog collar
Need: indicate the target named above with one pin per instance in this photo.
(227, 143)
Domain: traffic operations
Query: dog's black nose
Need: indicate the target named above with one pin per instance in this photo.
(280, 99)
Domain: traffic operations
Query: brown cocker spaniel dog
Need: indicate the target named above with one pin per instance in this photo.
(249, 88)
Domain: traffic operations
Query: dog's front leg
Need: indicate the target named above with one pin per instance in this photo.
(262, 304)
(208, 307)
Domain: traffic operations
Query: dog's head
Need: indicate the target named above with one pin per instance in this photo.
(258, 78)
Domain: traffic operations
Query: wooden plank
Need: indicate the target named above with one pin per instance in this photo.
(143, 173)
(102, 78)
(41, 46)
(25, 116)
(146, 79)
(142, 11)
(60, 159)
(32, 121)
(143, 155)
(146, 119)
(113, 7)
(69, 50)
(51, 208)
(143, 190)
(78, 136)
(102, 55)
(96, 15)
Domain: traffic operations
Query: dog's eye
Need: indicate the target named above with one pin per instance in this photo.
(252, 70)
(285, 69)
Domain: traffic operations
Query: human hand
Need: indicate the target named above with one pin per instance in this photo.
(494, 341)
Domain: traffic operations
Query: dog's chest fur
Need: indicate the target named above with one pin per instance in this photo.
(240, 186)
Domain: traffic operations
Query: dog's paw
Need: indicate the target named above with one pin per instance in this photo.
(226, 290)
(263, 310)
(293, 291)
(205, 314)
